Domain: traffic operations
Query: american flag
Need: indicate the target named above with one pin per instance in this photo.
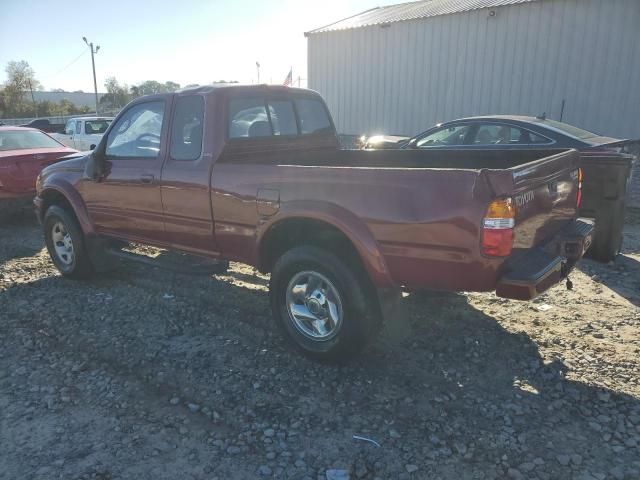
(289, 80)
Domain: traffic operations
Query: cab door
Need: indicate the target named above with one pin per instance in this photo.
(79, 138)
(68, 138)
(126, 202)
(184, 185)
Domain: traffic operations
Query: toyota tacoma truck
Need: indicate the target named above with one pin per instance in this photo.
(254, 174)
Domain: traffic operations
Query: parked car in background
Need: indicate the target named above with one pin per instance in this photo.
(45, 125)
(340, 231)
(606, 166)
(500, 131)
(84, 133)
(24, 152)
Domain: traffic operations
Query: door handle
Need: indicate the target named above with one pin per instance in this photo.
(147, 178)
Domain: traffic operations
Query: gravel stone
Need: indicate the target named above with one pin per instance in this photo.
(410, 468)
(337, 474)
(264, 470)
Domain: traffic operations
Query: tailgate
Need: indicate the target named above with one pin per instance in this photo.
(545, 195)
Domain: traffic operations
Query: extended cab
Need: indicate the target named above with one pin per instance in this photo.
(83, 133)
(254, 174)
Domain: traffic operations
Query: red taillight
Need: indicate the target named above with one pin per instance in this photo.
(497, 228)
(579, 197)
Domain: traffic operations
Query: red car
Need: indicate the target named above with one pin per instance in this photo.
(24, 152)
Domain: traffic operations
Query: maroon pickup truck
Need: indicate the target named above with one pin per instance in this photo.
(254, 174)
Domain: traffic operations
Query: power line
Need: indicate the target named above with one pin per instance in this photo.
(84, 51)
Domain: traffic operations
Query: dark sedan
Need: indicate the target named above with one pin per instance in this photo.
(498, 132)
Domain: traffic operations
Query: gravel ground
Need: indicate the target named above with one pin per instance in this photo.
(144, 374)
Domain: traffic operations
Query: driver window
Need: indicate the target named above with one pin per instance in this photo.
(70, 127)
(445, 137)
(137, 133)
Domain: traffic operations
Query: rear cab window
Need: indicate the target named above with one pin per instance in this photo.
(248, 118)
(187, 128)
(251, 117)
(313, 115)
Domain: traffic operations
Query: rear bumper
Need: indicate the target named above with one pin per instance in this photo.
(536, 270)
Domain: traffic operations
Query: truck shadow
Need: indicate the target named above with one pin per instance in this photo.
(622, 276)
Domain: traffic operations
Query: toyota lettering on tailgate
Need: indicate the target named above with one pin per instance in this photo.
(524, 198)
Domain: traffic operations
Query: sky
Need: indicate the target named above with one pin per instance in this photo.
(186, 41)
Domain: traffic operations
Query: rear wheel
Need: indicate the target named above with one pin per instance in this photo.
(65, 243)
(322, 305)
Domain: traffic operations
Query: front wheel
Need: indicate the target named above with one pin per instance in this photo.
(65, 243)
(323, 306)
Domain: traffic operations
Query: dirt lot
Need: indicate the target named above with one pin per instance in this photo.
(143, 374)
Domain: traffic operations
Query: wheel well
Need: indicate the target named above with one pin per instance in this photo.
(53, 197)
(303, 231)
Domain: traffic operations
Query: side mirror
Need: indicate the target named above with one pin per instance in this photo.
(92, 147)
(94, 167)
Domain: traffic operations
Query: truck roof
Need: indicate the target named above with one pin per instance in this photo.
(263, 87)
(92, 119)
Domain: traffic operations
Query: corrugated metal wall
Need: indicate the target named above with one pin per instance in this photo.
(407, 76)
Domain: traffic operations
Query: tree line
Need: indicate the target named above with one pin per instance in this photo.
(18, 101)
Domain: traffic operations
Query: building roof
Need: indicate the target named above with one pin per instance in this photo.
(412, 11)
(79, 99)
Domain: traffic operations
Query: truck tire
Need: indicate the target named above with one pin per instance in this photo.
(65, 243)
(321, 305)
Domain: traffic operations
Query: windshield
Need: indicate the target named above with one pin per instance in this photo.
(96, 126)
(569, 129)
(25, 139)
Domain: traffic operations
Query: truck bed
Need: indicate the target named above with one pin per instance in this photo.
(423, 209)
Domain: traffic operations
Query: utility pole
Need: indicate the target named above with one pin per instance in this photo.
(93, 65)
(35, 105)
(258, 67)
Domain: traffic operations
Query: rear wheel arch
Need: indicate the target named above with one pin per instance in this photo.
(296, 231)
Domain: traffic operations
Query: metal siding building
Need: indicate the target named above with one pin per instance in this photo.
(404, 68)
